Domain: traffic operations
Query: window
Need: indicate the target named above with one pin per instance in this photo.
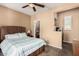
(67, 22)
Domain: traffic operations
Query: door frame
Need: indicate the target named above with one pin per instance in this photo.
(35, 22)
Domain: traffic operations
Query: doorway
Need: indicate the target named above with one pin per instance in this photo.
(37, 29)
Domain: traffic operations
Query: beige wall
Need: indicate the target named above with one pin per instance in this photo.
(71, 34)
(47, 24)
(47, 28)
(13, 18)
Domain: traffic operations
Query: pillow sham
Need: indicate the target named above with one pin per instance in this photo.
(11, 36)
(22, 35)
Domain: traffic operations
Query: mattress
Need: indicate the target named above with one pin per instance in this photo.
(21, 46)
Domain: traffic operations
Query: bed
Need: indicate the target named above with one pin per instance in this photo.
(20, 47)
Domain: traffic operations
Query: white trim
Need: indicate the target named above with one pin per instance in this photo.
(67, 41)
(55, 46)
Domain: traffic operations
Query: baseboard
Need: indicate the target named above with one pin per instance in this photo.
(55, 46)
(67, 42)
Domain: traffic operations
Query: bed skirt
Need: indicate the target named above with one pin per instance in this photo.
(37, 52)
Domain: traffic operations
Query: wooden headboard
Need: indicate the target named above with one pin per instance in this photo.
(10, 30)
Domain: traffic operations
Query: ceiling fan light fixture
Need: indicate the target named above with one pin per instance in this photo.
(31, 5)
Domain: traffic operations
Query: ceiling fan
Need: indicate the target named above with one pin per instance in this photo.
(32, 5)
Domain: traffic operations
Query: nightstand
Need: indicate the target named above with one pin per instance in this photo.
(30, 35)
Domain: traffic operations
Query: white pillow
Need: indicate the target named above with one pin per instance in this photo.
(22, 35)
(11, 36)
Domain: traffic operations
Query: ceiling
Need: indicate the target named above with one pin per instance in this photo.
(29, 10)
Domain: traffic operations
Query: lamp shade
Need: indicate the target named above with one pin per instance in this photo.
(28, 31)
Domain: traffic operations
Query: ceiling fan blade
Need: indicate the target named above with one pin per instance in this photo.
(34, 9)
(40, 5)
(25, 6)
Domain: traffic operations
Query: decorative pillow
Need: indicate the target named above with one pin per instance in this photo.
(22, 35)
(12, 36)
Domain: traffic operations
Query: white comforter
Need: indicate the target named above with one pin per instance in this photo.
(21, 47)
